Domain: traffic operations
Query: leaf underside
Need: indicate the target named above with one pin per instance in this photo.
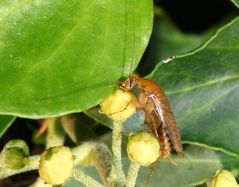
(5, 123)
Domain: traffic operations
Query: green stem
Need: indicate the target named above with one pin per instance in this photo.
(32, 165)
(117, 175)
(55, 132)
(103, 162)
(132, 174)
(82, 153)
(85, 179)
(96, 154)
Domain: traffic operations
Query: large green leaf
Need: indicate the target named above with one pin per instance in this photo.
(203, 87)
(5, 123)
(196, 167)
(64, 56)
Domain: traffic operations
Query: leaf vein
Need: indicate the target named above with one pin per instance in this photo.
(209, 83)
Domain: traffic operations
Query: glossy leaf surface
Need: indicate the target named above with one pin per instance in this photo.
(203, 87)
(196, 167)
(61, 56)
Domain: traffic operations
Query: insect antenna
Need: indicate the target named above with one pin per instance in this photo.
(129, 41)
(133, 43)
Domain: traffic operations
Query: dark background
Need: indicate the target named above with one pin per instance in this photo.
(197, 16)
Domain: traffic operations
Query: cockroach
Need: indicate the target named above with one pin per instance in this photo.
(159, 117)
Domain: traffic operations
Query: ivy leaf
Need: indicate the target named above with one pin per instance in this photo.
(198, 165)
(236, 3)
(60, 57)
(203, 87)
(5, 123)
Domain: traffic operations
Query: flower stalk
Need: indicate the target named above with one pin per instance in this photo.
(55, 132)
(117, 174)
(132, 174)
(85, 179)
(95, 154)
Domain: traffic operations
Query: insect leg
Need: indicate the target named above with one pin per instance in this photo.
(150, 119)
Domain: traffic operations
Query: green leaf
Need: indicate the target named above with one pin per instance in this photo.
(236, 3)
(61, 56)
(5, 123)
(195, 167)
(167, 40)
(203, 87)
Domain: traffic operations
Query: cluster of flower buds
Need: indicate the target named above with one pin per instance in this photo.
(142, 147)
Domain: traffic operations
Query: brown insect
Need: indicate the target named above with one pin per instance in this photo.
(159, 117)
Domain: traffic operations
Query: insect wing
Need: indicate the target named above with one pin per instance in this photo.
(169, 123)
(158, 109)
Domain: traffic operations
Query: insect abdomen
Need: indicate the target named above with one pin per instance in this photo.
(164, 142)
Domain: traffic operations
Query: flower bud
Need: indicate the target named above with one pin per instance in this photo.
(222, 178)
(56, 165)
(15, 154)
(143, 148)
(119, 106)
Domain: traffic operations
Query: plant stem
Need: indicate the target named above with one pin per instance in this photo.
(117, 175)
(97, 154)
(32, 165)
(55, 132)
(103, 161)
(132, 174)
(85, 179)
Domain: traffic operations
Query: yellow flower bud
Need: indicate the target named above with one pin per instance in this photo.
(56, 165)
(223, 178)
(118, 106)
(143, 148)
(14, 159)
